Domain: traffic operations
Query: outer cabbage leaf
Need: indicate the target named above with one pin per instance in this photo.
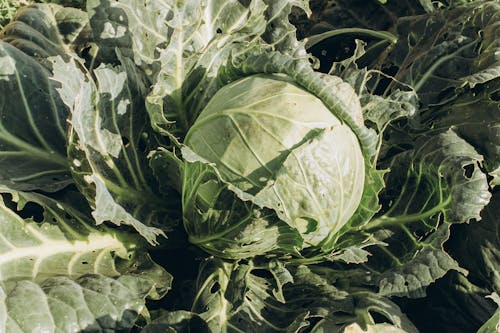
(462, 303)
(64, 274)
(494, 322)
(437, 184)
(475, 116)
(57, 246)
(270, 297)
(108, 160)
(44, 30)
(182, 46)
(448, 49)
(379, 110)
(218, 221)
(32, 125)
(89, 303)
(179, 321)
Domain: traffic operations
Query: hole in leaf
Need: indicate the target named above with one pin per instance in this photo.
(85, 262)
(30, 209)
(263, 273)
(379, 318)
(85, 52)
(219, 30)
(215, 288)
(469, 170)
(313, 321)
(125, 141)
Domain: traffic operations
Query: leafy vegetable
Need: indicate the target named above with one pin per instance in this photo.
(249, 166)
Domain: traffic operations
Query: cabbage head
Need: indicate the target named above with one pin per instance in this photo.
(277, 147)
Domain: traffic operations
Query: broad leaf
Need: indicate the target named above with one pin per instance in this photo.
(270, 297)
(108, 126)
(441, 184)
(179, 321)
(89, 303)
(32, 125)
(217, 220)
(448, 49)
(475, 116)
(64, 274)
(45, 30)
(183, 45)
(56, 246)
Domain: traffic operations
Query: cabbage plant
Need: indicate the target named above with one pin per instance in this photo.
(249, 166)
(279, 146)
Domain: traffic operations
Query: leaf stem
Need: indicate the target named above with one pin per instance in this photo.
(313, 40)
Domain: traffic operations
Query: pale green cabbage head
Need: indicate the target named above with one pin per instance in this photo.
(279, 146)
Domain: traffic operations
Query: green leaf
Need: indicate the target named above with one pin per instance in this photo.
(64, 274)
(179, 321)
(108, 124)
(218, 221)
(236, 298)
(475, 116)
(89, 303)
(241, 297)
(33, 128)
(137, 28)
(280, 33)
(45, 30)
(476, 246)
(448, 49)
(444, 167)
(64, 243)
(493, 324)
(437, 184)
(183, 46)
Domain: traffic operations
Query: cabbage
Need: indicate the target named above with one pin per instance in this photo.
(203, 159)
(276, 141)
